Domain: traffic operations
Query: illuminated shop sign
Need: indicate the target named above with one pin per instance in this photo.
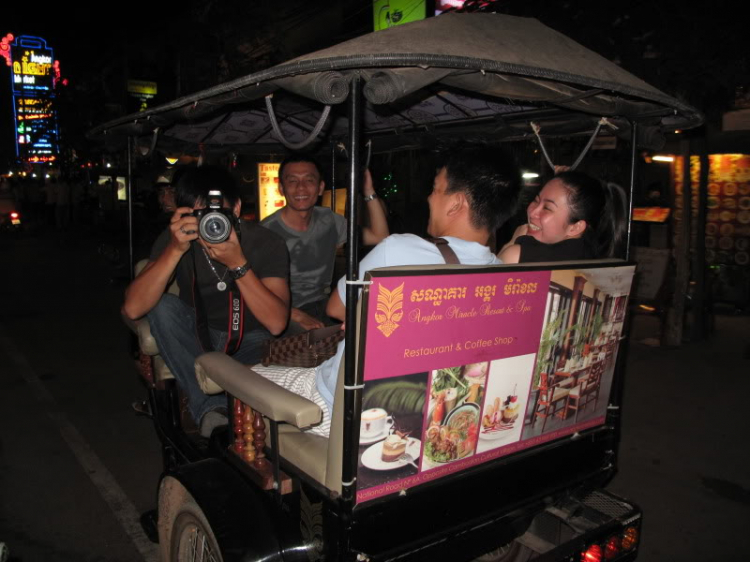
(443, 5)
(142, 91)
(33, 65)
(387, 13)
(34, 73)
(36, 130)
(270, 198)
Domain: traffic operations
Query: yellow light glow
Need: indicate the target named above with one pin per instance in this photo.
(659, 158)
(270, 198)
(529, 175)
(171, 161)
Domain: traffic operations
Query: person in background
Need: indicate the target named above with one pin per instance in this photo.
(312, 234)
(574, 217)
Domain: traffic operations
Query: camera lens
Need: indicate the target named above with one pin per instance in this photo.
(215, 228)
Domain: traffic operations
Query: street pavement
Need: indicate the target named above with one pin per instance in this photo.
(77, 466)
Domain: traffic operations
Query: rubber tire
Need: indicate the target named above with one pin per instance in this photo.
(190, 518)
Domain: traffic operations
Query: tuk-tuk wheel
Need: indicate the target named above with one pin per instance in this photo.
(192, 539)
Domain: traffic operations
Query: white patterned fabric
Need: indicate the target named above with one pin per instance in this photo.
(299, 380)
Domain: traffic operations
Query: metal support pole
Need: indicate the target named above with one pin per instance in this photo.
(131, 265)
(633, 171)
(676, 313)
(699, 311)
(352, 398)
(333, 177)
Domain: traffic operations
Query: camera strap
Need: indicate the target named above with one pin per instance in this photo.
(235, 313)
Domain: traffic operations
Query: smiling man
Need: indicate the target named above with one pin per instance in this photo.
(312, 234)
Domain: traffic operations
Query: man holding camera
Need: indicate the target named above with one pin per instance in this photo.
(312, 234)
(233, 281)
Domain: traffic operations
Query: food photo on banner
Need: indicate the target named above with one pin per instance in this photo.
(461, 370)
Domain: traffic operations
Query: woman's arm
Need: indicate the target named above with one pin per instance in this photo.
(510, 254)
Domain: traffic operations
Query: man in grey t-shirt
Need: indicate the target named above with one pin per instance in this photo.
(312, 235)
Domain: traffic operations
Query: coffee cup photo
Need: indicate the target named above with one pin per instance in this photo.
(375, 421)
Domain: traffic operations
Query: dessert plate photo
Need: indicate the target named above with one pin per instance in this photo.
(369, 439)
(372, 458)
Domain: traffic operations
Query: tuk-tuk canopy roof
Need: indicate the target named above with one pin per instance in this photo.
(487, 74)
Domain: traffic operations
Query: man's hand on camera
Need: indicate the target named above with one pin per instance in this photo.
(184, 229)
(228, 253)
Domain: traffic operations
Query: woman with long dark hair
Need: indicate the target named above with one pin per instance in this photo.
(574, 217)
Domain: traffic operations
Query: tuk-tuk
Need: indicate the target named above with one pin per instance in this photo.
(528, 357)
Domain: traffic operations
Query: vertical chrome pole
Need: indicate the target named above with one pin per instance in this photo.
(352, 396)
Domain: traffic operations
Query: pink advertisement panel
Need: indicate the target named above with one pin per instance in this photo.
(464, 368)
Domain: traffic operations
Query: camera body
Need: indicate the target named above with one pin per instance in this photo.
(214, 222)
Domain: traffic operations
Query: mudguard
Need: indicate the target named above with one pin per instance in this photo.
(244, 520)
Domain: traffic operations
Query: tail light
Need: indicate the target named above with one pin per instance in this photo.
(14, 215)
(593, 553)
(630, 538)
(612, 548)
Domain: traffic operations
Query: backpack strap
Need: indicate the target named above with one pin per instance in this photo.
(447, 252)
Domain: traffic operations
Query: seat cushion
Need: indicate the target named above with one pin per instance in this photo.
(304, 450)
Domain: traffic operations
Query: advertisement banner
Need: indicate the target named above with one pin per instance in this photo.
(462, 369)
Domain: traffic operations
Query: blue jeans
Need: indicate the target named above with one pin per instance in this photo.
(173, 327)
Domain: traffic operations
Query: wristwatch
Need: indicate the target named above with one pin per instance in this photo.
(370, 197)
(240, 271)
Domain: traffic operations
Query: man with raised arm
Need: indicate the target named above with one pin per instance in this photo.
(312, 234)
(473, 194)
(233, 294)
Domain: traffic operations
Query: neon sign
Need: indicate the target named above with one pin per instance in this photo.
(33, 65)
(34, 74)
(5, 47)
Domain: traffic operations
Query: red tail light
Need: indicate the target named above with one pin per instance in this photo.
(593, 553)
(612, 548)
(14, 215)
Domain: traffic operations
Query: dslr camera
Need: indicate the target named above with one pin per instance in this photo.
(214, 222)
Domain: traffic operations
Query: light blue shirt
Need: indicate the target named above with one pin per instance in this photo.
(398, 249)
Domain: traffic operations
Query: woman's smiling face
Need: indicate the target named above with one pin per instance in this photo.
(549, 215)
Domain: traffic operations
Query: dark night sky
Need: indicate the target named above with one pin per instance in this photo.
(81, 36)
(81, 39)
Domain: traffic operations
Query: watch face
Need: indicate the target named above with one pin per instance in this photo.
(239, 271)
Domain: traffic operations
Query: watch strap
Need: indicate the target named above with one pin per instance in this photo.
(240, 271)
